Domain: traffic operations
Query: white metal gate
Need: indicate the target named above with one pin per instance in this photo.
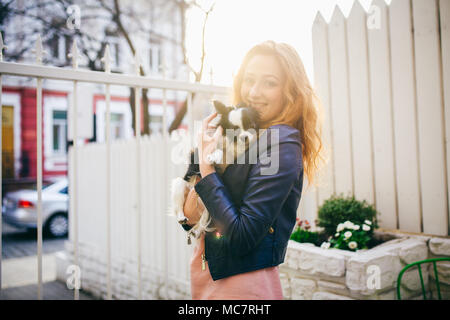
(75, 75)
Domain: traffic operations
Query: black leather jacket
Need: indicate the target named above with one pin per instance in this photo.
(253, 205)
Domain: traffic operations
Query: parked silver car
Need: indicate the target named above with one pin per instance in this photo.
(20, 208)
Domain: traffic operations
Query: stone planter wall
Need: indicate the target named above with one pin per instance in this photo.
(310, 272)
(124, 277)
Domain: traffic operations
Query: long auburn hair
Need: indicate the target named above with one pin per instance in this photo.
(302, 108)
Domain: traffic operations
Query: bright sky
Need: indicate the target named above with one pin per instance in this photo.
(235, 26)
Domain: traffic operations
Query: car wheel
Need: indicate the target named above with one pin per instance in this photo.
(57, 226)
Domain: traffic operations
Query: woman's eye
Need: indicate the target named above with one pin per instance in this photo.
(270, 83)
(248, 80)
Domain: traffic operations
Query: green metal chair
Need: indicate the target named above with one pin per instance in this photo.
(418, 263)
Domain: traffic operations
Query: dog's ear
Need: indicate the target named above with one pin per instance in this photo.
(220, 107)
(241, 105)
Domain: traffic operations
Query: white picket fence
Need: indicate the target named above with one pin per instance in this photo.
(155, 238)
(384, 80)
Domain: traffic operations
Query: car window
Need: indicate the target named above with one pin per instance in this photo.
(64, 190)
(45, 186)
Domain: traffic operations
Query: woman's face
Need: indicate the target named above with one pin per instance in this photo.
(262, 86)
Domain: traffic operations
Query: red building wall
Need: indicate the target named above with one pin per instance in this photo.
(28, 126)
(29, 132)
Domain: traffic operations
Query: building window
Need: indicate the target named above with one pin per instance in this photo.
(68, 41)
(58, 48)
(155, 58)
(114, 48)
(115, 54)
(59, 131)
(156, 123)
(65, 190)
(116, 126)
(53, 43)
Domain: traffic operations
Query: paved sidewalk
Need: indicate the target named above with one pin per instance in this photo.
(23, 271)
(19, 280)
(54, 290)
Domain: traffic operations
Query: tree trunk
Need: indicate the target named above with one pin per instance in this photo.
(145, 106)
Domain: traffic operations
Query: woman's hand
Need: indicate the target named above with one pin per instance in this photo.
(207, 144)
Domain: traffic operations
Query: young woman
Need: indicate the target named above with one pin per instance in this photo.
(254, 212)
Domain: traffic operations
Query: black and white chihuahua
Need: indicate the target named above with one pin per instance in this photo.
(243, 120)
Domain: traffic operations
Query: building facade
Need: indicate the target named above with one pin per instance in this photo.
(158, 43)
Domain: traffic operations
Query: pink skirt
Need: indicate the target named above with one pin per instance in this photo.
(263, 284)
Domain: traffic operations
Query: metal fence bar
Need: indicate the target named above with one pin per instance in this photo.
(74, 56)
(39, 184)
(165, 224)
(39, 54)
(421, 282)
(108, 191)
(47, 72)
(137, 113)
(436, 275)
(74, 186)
(107, 60)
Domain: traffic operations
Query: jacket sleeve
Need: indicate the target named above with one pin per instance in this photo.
(243, 228)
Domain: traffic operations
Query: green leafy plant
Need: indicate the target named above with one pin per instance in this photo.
(338, 209)
(344, 223)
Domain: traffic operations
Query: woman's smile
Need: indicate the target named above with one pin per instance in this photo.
(257, 105)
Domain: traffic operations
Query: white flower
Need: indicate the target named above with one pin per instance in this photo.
(325, 245)
(336, 234)
(365, 227)
(352, 245)
(348, 224)
(340, 227)
(368, 222)
(355, 227)
(347, 235)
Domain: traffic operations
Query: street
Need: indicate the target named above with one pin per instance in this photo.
(19, 243)
(19, 267)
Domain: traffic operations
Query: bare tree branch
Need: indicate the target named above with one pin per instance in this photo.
(183, 6)
(92, 45)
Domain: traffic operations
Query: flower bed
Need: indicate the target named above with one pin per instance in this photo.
(343, 257)
(312, 272)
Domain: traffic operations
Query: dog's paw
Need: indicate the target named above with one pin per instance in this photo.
(181, 218)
